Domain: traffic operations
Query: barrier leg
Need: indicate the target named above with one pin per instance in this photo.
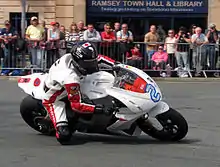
(190, 74)
(204, 73)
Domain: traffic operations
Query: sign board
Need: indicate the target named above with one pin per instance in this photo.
(147, 6)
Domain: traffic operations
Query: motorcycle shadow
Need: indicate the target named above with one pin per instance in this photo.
(80, 139)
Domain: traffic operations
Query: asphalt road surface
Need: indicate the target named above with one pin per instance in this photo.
(20, 146)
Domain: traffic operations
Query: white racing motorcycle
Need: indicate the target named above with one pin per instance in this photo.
(133, 97)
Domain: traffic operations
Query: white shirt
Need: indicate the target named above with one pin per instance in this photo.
(122, 35)
(93, 36)
(170, 44)
(201, 38)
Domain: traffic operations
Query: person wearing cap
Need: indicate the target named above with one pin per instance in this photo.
(212, 35)
(35, 34)
(53, 37)
(53, 33)
(8, 35)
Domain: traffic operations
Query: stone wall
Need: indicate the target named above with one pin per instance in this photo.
(63, 11)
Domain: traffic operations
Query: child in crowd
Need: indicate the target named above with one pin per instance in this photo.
(135, 58)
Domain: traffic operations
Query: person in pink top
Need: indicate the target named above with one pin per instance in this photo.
(159, 59)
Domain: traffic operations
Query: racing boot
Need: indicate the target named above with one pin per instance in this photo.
(63, 133)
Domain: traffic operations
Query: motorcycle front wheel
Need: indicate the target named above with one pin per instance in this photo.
(174, 125)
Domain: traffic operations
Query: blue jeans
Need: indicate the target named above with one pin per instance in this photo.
(37, 57)
(212, 56)
(150, 54)
(182, 59)
(199, 58)
(148, 57)
(9, 58)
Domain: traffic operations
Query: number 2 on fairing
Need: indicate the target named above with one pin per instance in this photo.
(154, 95)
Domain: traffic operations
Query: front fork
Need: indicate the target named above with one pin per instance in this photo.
(152, 122)
(160, 108)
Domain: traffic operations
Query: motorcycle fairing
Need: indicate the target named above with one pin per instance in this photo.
(94, 85)
(33, 84)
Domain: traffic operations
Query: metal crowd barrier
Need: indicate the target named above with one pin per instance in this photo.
(177, 60)
(184, 59)
(35, 56)
(207, 58)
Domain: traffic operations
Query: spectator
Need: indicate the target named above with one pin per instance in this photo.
(135, 59)
(1, 50)
(116, 44)
(199, 51)
(212, 35)
(20, 48)
(81, 26)
(108, 38)
(58, 25)
(81, 29)
(35, 34)
(151, 38)
(125, 37)
(116, 28)
(159, 59)
(192, 30)
(190, 33)
(43, 24)
(92, 35)
(53, 33)
(182, 51)
(62, 32)
(161, 33)
(53, 38)
(72, 36)
(170, 47)
(62, 50)
(8, 36)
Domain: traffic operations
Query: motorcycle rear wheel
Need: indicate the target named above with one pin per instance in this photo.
(30, 110)
(174, 125)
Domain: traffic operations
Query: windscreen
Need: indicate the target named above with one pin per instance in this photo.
(130, 81)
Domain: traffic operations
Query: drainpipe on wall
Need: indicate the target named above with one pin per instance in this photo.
(210, 2)
(23, 17)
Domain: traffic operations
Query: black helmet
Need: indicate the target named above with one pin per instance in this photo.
(85, 57)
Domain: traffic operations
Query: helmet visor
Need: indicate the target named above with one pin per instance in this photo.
(89, 65)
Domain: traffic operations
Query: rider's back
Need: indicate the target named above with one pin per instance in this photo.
(61, 72)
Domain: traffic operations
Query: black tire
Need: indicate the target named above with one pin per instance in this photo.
(31, 109)
(167, 134)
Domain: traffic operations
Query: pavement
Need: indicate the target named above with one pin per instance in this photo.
(20, 146)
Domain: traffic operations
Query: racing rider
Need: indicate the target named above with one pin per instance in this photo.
(64, 78)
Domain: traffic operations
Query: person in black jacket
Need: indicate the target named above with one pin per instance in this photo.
(183, 46)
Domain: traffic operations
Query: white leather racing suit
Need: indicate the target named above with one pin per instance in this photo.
(62, 80)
